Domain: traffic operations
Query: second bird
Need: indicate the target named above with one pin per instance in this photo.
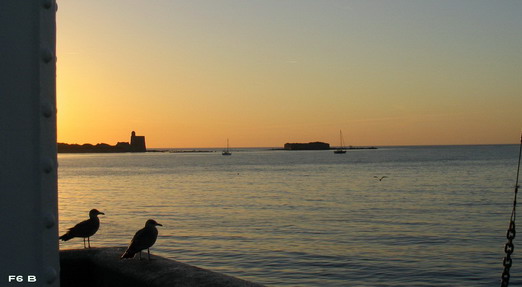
(143, 239)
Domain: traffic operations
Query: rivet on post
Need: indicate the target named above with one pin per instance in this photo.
(47, 55)
(50, 275)
(48, 166)
(47, 110)
(49, 221)
(47, 4)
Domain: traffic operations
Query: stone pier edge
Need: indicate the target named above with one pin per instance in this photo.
(103, 267)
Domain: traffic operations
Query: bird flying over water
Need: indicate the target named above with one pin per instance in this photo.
(143, 239)
(84, 229)
(380, 178)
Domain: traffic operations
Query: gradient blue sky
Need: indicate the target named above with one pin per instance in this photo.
(262, 73)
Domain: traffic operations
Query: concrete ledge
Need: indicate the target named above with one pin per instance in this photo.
(102, 267)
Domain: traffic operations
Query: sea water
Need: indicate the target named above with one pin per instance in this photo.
(308, 218)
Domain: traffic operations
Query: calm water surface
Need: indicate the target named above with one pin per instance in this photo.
(308, 218)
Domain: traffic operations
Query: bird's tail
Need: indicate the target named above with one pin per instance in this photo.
(128, 254)
(66, 236)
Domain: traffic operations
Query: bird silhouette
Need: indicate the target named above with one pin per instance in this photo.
(84, 229)
(143, 239)
(380, 178)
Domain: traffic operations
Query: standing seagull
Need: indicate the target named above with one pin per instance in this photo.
(84, 229)
(143, 239)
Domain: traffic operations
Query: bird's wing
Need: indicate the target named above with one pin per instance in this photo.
(143, 239)
(81, 225)
(85, 228)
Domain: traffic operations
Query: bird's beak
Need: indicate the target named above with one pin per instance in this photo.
(158, 224)
(101, 213)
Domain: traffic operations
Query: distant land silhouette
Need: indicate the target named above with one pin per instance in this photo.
(316, 146)
(307, 146)
(137, 144)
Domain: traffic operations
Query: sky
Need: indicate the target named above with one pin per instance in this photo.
(266, 72)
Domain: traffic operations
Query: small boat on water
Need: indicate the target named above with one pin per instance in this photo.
(227, 150)
(341, 148)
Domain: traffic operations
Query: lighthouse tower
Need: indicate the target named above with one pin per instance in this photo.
(137, 143)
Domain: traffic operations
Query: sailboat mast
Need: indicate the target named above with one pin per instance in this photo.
(227, 150)
(341, 149)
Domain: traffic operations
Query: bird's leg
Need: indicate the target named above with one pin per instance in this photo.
(148, 252)
(84, 243)
(89, 241)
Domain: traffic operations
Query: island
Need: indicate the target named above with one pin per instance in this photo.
(318, 146)
(137, 144)
(307, 146)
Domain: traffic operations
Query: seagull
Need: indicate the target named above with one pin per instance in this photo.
(143, 239)
(380, 178)
(84, 229)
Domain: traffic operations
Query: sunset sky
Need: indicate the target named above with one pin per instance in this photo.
(266, 72)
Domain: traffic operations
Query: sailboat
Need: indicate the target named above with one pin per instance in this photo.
(226, 151)
(341, 148)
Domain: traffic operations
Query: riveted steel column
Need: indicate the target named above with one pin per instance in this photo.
(28, 162)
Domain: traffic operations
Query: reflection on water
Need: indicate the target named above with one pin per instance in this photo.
(307, 218)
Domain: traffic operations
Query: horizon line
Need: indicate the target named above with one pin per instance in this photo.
(357, 146)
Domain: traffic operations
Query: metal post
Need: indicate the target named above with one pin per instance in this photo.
(28, 162)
